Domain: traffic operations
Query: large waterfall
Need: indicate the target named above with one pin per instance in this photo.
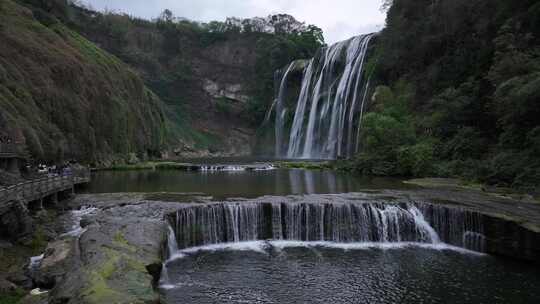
(332, 222)
(328, 111)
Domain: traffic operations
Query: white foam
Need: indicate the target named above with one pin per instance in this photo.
(77, 215)
(372, 245)
(257, 246)
(263, 246)
(35, 261)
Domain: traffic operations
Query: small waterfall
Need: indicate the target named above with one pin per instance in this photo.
(172, 246)
(325, 115)
(421, 222)
(455, 226)
(330, 222)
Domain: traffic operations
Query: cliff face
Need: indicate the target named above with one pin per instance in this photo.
(92, 86)
(66, 98)
(217, 83)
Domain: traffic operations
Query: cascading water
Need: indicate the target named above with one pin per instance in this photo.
(330, 98)
(281, 111)
(326, 222)
(338, 250)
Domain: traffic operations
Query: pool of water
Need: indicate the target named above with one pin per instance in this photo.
(263, 272)
(333, 275)
(237, 183)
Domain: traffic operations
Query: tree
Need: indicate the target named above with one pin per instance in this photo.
(166, 16)
(386, 4)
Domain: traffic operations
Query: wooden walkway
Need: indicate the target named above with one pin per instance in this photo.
(39, 189)
(8, 150)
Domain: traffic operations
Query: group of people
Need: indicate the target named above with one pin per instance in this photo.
(51, 171)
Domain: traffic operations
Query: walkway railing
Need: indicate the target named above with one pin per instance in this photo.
(11, 150)
(39, 188)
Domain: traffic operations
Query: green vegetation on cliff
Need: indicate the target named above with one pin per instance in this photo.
(67, 98)
(101, 87)
(462, 94)
(215, 77)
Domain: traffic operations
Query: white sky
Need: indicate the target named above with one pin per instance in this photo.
(339, 19)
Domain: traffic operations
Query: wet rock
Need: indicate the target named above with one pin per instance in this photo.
(20, 279)
(15, 221)
(86, 221)
(154, 270)
(57, 261)
(5, 244)
(6, 286)
(118, 257)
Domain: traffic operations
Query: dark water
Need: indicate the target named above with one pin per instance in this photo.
(326, 275)
(236, 184)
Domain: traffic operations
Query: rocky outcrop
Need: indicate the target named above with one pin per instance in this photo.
(118, 257)
(507, 237)
(57, 261)
(511, 227)
(15, 221)
(233, 92)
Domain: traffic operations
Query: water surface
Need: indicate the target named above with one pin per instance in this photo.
(333, 275)
(248, 184)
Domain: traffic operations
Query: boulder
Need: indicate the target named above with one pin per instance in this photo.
(6, 286)
(57, 261)
(15, 221)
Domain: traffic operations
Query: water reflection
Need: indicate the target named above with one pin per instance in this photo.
(237, 183)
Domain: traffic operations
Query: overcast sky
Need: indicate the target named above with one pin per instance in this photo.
(339, 19)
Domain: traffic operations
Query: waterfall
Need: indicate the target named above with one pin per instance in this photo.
(331, 222)
(295, 135)
(457, 227)
(359, 128)
(172, 246)
(330, 96)
(281, 111)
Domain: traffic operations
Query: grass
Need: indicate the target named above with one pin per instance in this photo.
(305, 165)
(151, 165)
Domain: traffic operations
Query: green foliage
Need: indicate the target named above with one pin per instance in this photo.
(175, 55)
(66, 97)
(38, 241)
(388, 137)
(475, 69)
(223, 106)
(12, 297)
(416, 160)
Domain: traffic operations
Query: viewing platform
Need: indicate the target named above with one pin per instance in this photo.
(47, 190)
